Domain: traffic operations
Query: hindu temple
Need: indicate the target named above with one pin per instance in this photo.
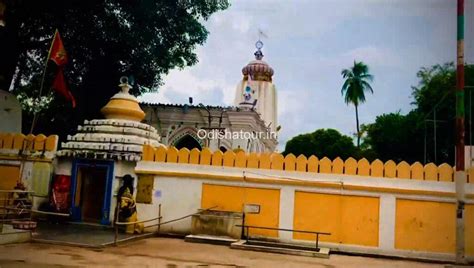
(101, 153)
(254, 111)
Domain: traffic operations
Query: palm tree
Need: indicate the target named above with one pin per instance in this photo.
(354, 88)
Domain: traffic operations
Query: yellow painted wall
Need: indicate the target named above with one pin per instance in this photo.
(38, 143)
(469, 229)
(233, 198)
(238, 158)
(9, 175)
(425, 226)
(349, 219)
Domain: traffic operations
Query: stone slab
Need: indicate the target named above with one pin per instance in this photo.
(210, 239)
(281, 248)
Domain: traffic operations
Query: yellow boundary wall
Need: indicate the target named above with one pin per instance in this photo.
(15, 148)
(276, 161)
(381, 219)
(30, 142)
(350, 219)
(233, 198)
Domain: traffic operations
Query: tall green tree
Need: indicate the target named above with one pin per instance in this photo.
(356, 84)
(104, 39)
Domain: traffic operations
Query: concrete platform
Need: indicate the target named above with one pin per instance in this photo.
(210, 239)
(281, 248)
(94, 236)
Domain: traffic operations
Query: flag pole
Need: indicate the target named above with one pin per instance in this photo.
(42, 79)
(460, 174)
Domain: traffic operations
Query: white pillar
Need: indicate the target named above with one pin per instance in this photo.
(287, 204)
(387, 222)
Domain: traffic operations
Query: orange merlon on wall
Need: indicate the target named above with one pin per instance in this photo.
(30, 142)
(290, 162)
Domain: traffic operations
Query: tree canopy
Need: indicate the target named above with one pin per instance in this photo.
(104, 40)
(396, 136)
(321, 143)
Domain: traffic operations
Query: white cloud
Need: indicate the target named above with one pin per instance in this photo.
(185, 83)
(373, 56)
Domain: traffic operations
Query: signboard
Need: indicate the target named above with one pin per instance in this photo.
(252, 208)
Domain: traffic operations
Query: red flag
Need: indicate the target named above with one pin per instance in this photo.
(58, 55)
(59, 84)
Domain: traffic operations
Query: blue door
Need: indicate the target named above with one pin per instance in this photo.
(91, 189)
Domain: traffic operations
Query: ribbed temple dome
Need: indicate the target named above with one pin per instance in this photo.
(110, 139)
(258, 69)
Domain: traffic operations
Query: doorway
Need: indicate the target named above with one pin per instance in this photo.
(91, 191)
(189, 142)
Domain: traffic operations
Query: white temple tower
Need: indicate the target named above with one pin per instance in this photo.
(256, 90)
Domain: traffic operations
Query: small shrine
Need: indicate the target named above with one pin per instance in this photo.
(120, 136)
(92, 162)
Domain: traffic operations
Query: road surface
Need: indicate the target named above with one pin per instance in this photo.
(169, 252)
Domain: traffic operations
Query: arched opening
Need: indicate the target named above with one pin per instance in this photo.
(187, 142)
(223, 149)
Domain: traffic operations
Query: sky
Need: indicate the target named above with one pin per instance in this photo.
(308, 43)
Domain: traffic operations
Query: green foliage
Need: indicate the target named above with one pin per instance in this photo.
(402, 137)
(435, 88)
(321, 143)
(356, 83)
(434, 97)
(104, 40)
(395, 137)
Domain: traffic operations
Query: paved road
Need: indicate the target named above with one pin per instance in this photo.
(167, 252)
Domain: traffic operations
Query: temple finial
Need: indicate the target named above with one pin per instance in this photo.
(258, 54)
(124, 85)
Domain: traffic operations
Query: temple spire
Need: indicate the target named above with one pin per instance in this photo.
(256, 91)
